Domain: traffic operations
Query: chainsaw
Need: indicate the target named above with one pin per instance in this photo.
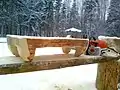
(100, 47)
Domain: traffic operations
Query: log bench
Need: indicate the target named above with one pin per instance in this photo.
(107, 77)
(25, 46)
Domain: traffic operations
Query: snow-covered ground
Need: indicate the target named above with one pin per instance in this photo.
(75, 78)
(71, 78)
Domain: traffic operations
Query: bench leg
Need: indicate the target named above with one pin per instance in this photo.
(78, 51)
(66, 50)
(32, 53)
(14, 50)
(26, 54)
(107, 76)
(25, 50)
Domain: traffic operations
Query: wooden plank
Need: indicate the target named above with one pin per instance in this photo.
(52, 62)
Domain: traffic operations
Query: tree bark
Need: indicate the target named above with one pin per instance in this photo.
(107, 76)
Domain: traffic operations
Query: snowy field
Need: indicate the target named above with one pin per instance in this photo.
(71, 78)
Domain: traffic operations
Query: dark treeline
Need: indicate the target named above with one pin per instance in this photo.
(52, 17)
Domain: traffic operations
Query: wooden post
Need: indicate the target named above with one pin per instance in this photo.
(107, 76)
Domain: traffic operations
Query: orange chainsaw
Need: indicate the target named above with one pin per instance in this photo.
(95, 47)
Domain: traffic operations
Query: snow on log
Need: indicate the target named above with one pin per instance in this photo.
(52, 62)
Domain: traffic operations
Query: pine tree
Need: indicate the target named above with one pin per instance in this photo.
(57, 15)
(74, 16)
(63, 17)
(90, 16)
(49, 17)
(113, 20)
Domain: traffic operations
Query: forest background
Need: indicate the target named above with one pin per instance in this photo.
(53, 17)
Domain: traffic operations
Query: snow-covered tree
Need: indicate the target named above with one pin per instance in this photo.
(74, 16)
(91, 17)
(49, 17)
(63, 18)
(49, 11)
(57, 7)
(113, 19)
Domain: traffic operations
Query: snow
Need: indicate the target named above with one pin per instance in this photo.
(3, 40)
(73, 30)
(71, 78)
(76, 78)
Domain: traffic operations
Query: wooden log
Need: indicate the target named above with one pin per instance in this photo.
(113, 42)
(26, 45)
(107, 76)
(53, 62)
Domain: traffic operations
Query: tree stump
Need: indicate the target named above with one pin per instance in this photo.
(107, 76)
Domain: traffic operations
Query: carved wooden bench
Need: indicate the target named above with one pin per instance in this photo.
(25, 46)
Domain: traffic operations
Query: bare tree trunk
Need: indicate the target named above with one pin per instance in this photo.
(2, 29)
